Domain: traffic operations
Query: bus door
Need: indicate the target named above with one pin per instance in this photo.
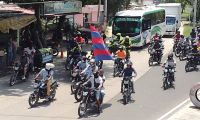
(146, 31)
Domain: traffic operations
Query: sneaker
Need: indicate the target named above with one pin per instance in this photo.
(23, 78)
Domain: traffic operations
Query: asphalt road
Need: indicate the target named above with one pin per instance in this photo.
(150, 101)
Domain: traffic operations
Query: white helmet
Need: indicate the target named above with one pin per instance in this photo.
(49, 66)
(92, 62)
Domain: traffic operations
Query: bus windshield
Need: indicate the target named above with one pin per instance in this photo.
(127, 25)
(170, 20)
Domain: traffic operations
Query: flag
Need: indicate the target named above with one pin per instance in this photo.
(100, 50)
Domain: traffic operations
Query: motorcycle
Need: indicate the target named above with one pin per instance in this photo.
(118, 67)
(77, 80)
(175, 44)
(88, 101)
(178, 48)
(150, 47)
(40, 92)
(185, 50)
(126, 90)
(190, 63)
(168, 77)
(18, 73)
(54, 47)
(155, 56)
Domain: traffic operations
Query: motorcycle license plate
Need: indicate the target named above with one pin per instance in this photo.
(82, 105)
(85, 93)
(126, 82)
(35, 85)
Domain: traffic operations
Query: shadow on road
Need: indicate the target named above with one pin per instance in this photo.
(93, 112)
(42, 103)
(121, 101)
(19, 89)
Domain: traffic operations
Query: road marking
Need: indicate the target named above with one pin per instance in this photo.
(174, 109)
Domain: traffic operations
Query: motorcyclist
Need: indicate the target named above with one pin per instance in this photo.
(24, 60)
(156, 37)
(81, 65)
(170, 62)
(76, 51)
(114, 42)
(96, 82)
(79, 38)
(88, 71)
(157, 48)
(198, 45)
(129, 71)
(182, 38)
(47, 76)
(121, 55)
(177, 36)
(127, 44)
(193, 35)
(30, 52)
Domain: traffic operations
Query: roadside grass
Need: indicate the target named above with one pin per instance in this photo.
(186, 30)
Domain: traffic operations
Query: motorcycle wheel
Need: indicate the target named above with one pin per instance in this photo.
(53, 94)
(55, 52)
(149, 49)
(181, 56)
(12, 80)
(150, 61)
(114, 71)
(82, 109)
(67, 67)
(165, 84)
(177, 53)
(125, 99)
(78, 94)
(33, 99)
(72, 88)
(187, 67)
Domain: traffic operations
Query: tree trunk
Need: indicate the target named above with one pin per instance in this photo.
(39, 26)
(57, 35)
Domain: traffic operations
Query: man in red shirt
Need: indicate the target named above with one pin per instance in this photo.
(79, 39)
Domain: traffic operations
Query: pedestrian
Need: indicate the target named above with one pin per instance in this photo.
(9, 52)
(2, 54)
(14, 49)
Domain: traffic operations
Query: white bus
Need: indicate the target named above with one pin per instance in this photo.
(140, 24)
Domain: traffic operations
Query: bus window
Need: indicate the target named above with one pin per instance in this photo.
(127, 25)
(146, 24)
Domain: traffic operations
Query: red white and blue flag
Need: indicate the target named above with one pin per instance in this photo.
(100, 50)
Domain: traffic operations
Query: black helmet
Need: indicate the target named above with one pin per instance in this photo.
(182, 36)
(170, 56)
(84, 58)
(78, 33)
(130, 63)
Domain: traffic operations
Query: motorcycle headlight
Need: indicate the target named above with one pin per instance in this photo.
(35, 85)
(126, 82)
(74, 74)
(85, 93)
(172, 70)
(16, 68)
(166, 70)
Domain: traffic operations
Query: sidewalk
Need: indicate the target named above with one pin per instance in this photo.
(188, 112)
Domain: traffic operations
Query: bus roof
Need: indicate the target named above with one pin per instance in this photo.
(139, 11)
(169, 4)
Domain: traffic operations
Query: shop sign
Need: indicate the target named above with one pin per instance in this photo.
(62, 7)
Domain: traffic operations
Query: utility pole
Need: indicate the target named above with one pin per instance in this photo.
(195, 13)
(98, 14)
(105, 11)
(142, 2)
